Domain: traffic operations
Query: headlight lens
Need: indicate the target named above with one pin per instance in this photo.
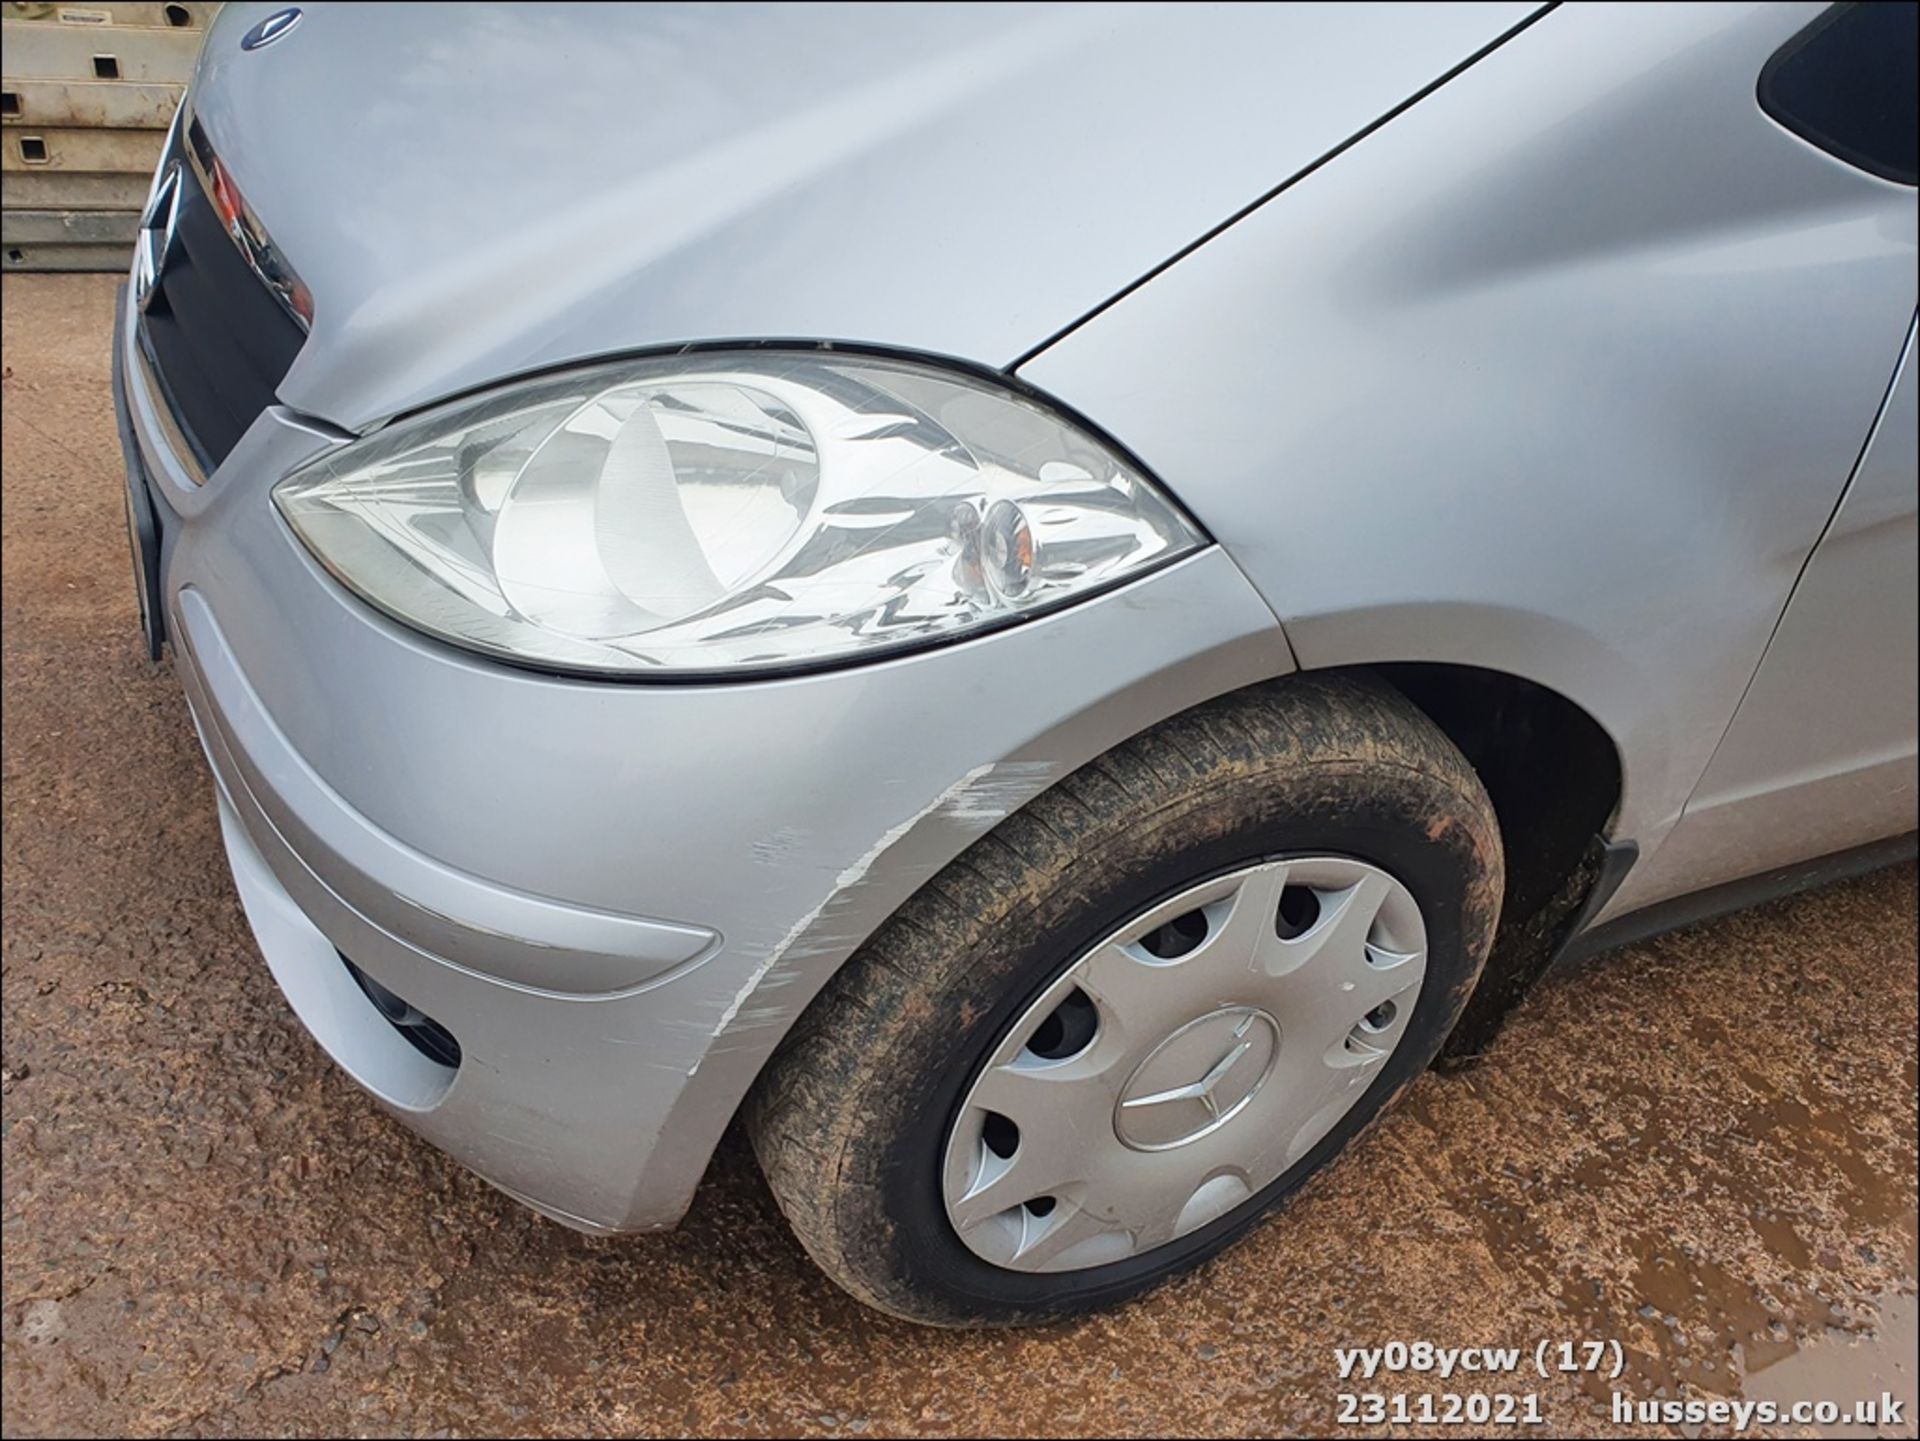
(728, 512)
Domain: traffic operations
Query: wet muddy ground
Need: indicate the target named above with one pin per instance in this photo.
(1702, 1148)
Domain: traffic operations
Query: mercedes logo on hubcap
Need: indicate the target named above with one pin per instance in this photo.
(1198, 1079)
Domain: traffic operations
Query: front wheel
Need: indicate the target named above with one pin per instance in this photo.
(1141, 1013)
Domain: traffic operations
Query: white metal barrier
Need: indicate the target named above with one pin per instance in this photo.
(85, 99)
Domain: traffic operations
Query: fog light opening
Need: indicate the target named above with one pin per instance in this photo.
(416, 1027)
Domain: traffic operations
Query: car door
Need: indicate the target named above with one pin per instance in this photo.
(1820, 756)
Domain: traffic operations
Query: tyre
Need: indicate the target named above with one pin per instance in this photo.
(1140, 1013)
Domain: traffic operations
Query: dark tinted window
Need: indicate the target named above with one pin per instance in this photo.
(1847, 84)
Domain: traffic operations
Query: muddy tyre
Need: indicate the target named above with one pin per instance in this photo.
(1141, 1013)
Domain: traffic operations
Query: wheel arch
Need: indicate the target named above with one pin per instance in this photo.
(1555, 777)
(1518, 735)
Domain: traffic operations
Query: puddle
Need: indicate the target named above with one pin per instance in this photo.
(1711, 1310)
(1718, 1201)
(1847, 1367)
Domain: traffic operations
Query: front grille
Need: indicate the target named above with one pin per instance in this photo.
(218, 340)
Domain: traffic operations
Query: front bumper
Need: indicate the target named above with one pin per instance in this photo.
(616, 897)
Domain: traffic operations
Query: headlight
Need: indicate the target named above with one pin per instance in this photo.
(728, 512)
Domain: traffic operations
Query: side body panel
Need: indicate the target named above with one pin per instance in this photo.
(1821, 755)
(1559, 373)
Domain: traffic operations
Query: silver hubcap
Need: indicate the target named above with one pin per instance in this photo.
(1184, 1063)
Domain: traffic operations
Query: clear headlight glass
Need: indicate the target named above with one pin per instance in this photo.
(728, 512)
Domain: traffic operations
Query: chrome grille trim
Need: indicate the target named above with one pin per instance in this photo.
(263, 257)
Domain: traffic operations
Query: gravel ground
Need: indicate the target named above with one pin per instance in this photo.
(1703, 1147)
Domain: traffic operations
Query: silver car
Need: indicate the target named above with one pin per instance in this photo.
(1045, 604)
